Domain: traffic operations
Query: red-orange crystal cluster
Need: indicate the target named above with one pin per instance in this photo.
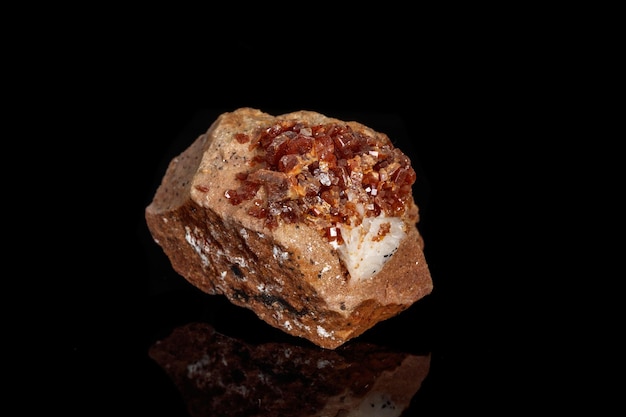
(323, 174)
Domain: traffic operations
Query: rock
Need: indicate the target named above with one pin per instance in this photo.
(220, 375)
(307, 220)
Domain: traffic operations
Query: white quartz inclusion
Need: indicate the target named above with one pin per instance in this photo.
(364, 252)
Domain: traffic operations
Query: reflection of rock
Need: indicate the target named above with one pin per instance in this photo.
(221, 376)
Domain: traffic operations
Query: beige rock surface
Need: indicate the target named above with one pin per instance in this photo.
(289, 274)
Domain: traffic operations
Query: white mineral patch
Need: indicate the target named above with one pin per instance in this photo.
(322, 332)
(279, 255)
(197, 245)
(302, 326)
(239, 260)
(364, 252)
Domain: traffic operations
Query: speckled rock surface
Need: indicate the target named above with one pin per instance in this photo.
(289, 275)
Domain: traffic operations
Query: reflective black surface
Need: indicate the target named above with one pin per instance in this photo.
(131, 298)
(233, 390)
(218, 375)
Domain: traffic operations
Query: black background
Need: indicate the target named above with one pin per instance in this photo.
(462, 107)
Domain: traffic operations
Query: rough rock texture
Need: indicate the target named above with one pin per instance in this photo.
(221, 376)
(222, 237)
